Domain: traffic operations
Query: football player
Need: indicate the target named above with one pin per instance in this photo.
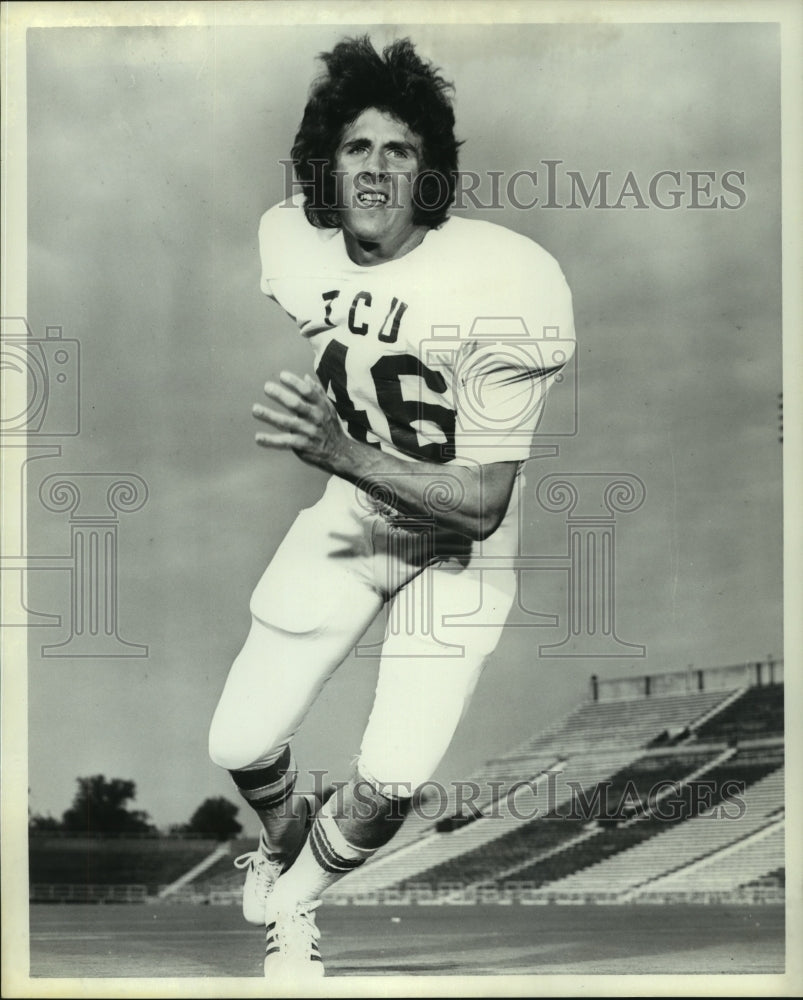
(435, 339)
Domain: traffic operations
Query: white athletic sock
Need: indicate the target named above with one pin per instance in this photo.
(324, 859)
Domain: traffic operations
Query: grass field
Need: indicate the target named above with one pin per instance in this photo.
(199, 941)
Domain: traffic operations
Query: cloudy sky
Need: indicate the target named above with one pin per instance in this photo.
(152, 154)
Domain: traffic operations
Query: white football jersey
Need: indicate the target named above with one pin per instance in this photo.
(445, 354)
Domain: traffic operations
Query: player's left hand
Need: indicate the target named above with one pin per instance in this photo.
(310, 427)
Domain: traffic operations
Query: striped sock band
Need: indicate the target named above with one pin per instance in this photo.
(331, 850)
(324, 859)
(269, 782)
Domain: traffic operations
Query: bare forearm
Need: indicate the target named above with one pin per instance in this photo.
(459, 498)
(471, 500)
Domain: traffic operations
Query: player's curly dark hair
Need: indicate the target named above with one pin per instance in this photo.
(397, 82)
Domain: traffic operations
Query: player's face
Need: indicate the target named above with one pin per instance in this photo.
(377, 160)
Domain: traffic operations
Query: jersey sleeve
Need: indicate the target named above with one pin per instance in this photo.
(283, 234)
(268, 249)
(507, 365)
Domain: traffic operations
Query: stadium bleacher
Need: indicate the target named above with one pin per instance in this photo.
(756, 714)
(653, 849)
(657, 763)
(77, 862)
(677, 795)
(534, 842)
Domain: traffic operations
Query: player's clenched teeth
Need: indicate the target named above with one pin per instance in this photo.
(371, 199)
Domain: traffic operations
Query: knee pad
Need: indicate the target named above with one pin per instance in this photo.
(243, 733)
(272, 682)
(236, 750)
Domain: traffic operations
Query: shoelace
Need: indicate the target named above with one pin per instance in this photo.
(264, 869)
(259, 859)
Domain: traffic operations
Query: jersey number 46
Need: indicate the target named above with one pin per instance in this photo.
(401, 414)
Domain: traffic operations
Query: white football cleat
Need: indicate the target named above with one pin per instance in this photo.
(291, 944)
(262, 870)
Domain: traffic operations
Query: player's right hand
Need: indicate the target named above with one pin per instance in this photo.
(310, 427)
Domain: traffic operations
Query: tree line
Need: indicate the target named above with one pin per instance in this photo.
(103, 806)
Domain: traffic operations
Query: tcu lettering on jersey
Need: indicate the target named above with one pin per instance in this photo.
(370, 318)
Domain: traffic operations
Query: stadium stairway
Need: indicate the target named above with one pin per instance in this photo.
(645, 769)
(434, 848)
(633, 870)
(698, 727)
(707, 791)
(222, 877)
(736, 865)
(222, 851)
(757, 712)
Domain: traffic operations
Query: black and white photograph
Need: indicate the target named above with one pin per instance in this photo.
(400, 448)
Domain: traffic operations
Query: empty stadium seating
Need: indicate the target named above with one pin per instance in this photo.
(505, 817)
(697, 795)
(732, 865)
(602, 750)
(152, 862)
(757, 713)
(675, 846)
(646, 799)
(634, 723)
(619, 728)
(591, 796)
